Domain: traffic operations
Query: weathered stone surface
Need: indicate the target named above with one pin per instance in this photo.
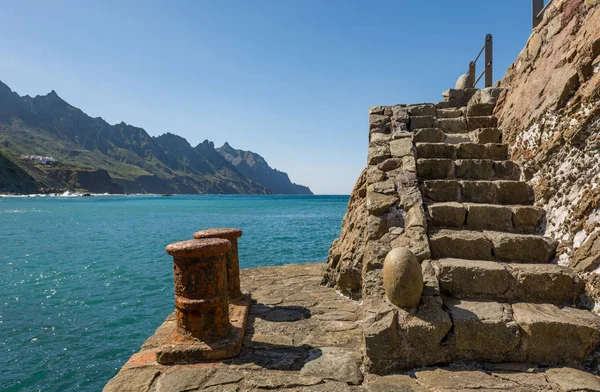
(460, 380)
(472, 278)
(436, 150)
(133, 380)
(484, 330)
(474, 169)
(571, 380)
(479, 109)
(460, 244)
(479, 191)
(587, 257)
(334, 363)
(418, 122)
(426, 330)
(527, 218)
(489, 217)
(402, 278)
(452, 125)
(486, 135)
(449, 113)
(441, 190)
(183, 378)
(345, 259)
(551, 334)
(422, 110)
(450, 214)
(429, 135)
(474, 123)
(545, 283)
(513, 192)
(378, 203)
(395, 382)
(507, 170)
(522, 247)
(482, 151)
(390, 164)
(378, 153)
(401, 147)
(433, 169)
(384, 187)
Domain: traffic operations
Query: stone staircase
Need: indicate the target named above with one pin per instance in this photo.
(505, 299)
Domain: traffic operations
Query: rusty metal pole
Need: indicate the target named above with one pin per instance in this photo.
(488, 61)
(536, 7)
(472, 73)
(201, 296)
(233, 261)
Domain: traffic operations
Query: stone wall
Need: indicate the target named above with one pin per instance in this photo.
(550, 115)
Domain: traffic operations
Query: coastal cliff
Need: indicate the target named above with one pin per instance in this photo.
(550, 116)
(256, 168)
(54, 145)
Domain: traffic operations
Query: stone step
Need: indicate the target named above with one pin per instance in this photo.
(474, 169)
(490, 192)
(508, 282)
(437, 135)
(449, 113)
(480, 109)
(467, 150)
(509, 218)
(544, 334)
(477, 122)
(452, 125)
(491, 245)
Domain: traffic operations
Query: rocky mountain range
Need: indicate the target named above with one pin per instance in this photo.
(254, 167)
(94, 156)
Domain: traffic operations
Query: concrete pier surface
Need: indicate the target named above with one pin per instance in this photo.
(302, 336)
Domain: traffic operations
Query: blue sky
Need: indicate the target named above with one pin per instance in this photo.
(291, 80)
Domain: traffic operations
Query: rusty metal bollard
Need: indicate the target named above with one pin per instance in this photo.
(201, 296)
(233, 261)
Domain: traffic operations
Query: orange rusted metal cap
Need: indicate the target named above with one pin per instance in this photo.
(199, 248)
(230, 234)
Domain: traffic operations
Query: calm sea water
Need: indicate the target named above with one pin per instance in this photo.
(84, 281)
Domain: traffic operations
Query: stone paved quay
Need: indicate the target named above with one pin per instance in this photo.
(302, 336)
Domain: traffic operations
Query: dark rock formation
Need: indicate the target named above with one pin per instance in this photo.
(255, 167)
(138, 163)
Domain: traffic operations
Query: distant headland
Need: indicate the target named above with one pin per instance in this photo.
(49, 146)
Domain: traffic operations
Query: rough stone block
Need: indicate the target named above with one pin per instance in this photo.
(452, 125)
(441, 190)
(527, 218)
(472, 278)
(427, 328)
(486, 135)
(454, 380)
(450, 214)
(478, 191)
(378, 153)
(460, 244)
(489, 217)
(418, 122)
(471, 151)
(522, 248)
(379, 123)
(429, 135)
(513, 192)
(551, 334)
(401, 147)
(474, 123)
(384, 187)
(507, 170)
(457, 138)
(435, 168)
(480, 109)
(475, 169)
(436, 150)
(378, 203)
(390, 164)
(374, 175)
(484, 330)
(381, 335)
(545, 283)
(449, 113)
(427, 109)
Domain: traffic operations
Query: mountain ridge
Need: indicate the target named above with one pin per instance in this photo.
(134, 161)
(254, 166)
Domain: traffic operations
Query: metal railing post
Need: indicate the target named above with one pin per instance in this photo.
(536, 7)
(472, 73)
(488, 61)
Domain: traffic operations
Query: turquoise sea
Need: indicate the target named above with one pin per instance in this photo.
(85, 280)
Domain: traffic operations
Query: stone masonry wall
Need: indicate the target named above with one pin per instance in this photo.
(550, 114)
